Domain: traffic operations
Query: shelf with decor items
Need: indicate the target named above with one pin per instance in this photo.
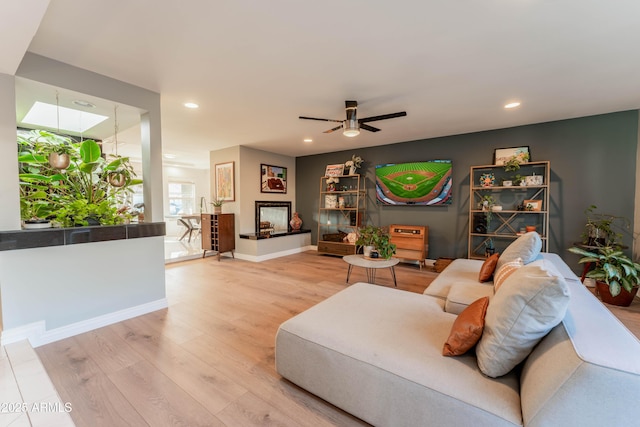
(341, 210)
(513, 202)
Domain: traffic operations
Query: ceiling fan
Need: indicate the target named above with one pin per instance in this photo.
(351, 127)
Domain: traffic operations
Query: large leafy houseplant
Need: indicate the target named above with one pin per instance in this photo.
(612, 267)
(84, 192)
(602, 229)
(379, 238)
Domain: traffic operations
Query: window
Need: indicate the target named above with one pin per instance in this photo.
(182, 198)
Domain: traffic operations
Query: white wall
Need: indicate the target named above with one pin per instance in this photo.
(247, 174)
(9, 189)
(60, 286)
(250, 176)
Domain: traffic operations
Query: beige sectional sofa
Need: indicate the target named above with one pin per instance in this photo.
(376, 352)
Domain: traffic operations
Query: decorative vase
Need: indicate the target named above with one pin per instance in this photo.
(623, 299)
(352, 170)
(366, 250)
(217, 209)
(296, 222)
(59, 161)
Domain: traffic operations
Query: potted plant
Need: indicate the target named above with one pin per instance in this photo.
(486, 204)
(217, 205)
(513, 164)
(617, 276)
(377, 239)
(603, 229)
(81, 194)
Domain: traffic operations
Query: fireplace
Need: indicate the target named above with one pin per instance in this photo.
(272, 217)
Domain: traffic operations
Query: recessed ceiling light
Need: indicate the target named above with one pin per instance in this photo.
(512, 105)
(308, 140)
(54, 117)
(82, 103)
(169, 156)
(191, 105)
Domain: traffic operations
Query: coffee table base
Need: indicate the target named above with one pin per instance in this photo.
(370, 267)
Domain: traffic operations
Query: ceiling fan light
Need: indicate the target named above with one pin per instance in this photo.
(351, 132)
(350, 128)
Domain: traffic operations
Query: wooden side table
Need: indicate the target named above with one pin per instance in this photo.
(371, 265)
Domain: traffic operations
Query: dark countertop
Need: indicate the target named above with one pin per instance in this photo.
(29, 239)
(258, 236)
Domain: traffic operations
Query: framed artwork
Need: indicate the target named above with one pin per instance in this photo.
(532, 205)
(502, 155)
(334, 170)
(273, 179)
(225, 181)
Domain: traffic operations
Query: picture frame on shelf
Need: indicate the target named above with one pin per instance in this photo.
(273, 179)
(334, 170)
(502, 155)
(532, 205)
(225, 181)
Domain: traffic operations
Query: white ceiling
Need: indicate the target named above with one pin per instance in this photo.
(255, 66)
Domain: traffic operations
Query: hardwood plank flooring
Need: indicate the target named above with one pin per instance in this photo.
(209, 358)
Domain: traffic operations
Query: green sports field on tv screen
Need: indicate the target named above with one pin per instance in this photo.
(425, 183)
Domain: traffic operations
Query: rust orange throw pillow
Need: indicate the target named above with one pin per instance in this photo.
(488, 268)
(467, 329)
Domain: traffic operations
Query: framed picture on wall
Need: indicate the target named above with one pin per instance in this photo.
(334, 170)
(503, 155)
(225, 181)
(273, 179)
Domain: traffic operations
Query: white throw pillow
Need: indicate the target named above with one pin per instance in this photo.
(531, 301)
(507, 269)
(527, 247)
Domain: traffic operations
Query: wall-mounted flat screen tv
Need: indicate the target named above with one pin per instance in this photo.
(418, 183)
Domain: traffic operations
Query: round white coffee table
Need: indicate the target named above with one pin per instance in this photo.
(371, 265)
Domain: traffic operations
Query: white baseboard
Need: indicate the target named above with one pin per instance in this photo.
(274, 255)
(38, 335)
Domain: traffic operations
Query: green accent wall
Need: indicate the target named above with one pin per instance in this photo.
(593, 161)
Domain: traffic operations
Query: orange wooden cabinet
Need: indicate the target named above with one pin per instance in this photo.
(412, 242)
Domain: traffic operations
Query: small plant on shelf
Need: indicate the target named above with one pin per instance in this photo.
(486, 203)
(513, 164)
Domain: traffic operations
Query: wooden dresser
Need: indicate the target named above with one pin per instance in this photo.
(412, 242)
(218, 233)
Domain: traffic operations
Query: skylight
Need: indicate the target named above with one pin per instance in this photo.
(46, 115)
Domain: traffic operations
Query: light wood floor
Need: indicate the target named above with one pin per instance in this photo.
(209, 358)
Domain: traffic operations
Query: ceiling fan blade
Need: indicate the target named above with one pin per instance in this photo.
(332, 130)
(369, 128)
(322, 120)
(383, 117)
